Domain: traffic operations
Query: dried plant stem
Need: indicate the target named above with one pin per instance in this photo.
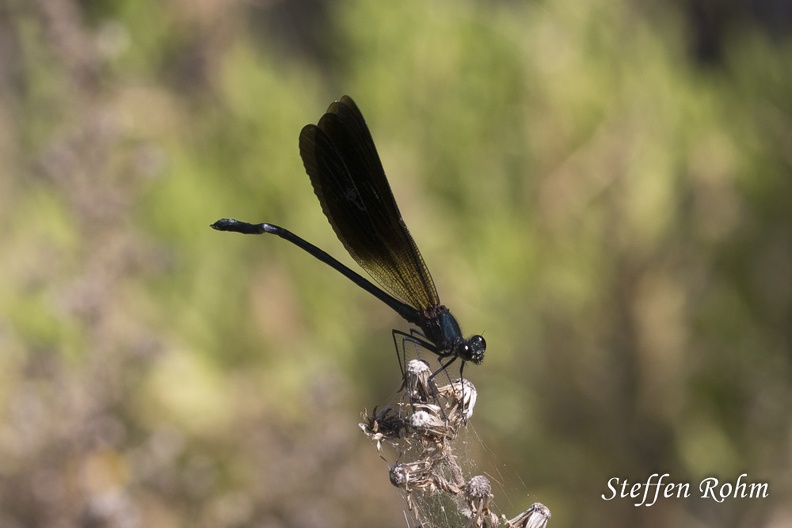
(423, 428)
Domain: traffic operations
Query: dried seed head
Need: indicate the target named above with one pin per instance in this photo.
(427, 422)
(412, 475)
(383, 425)
(478, 489)
(398, 477)
(461, 398)
(417, 383)
(536, 516)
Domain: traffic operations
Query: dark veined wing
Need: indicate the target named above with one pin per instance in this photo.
(347, 176)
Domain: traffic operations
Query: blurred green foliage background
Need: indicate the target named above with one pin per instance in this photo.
(601, 188)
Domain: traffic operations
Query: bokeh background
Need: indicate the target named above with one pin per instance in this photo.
(603, 189)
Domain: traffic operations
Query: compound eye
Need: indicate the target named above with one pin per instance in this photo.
(478, 346)
(472, 349)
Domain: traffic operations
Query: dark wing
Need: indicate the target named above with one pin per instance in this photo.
(347, 176)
